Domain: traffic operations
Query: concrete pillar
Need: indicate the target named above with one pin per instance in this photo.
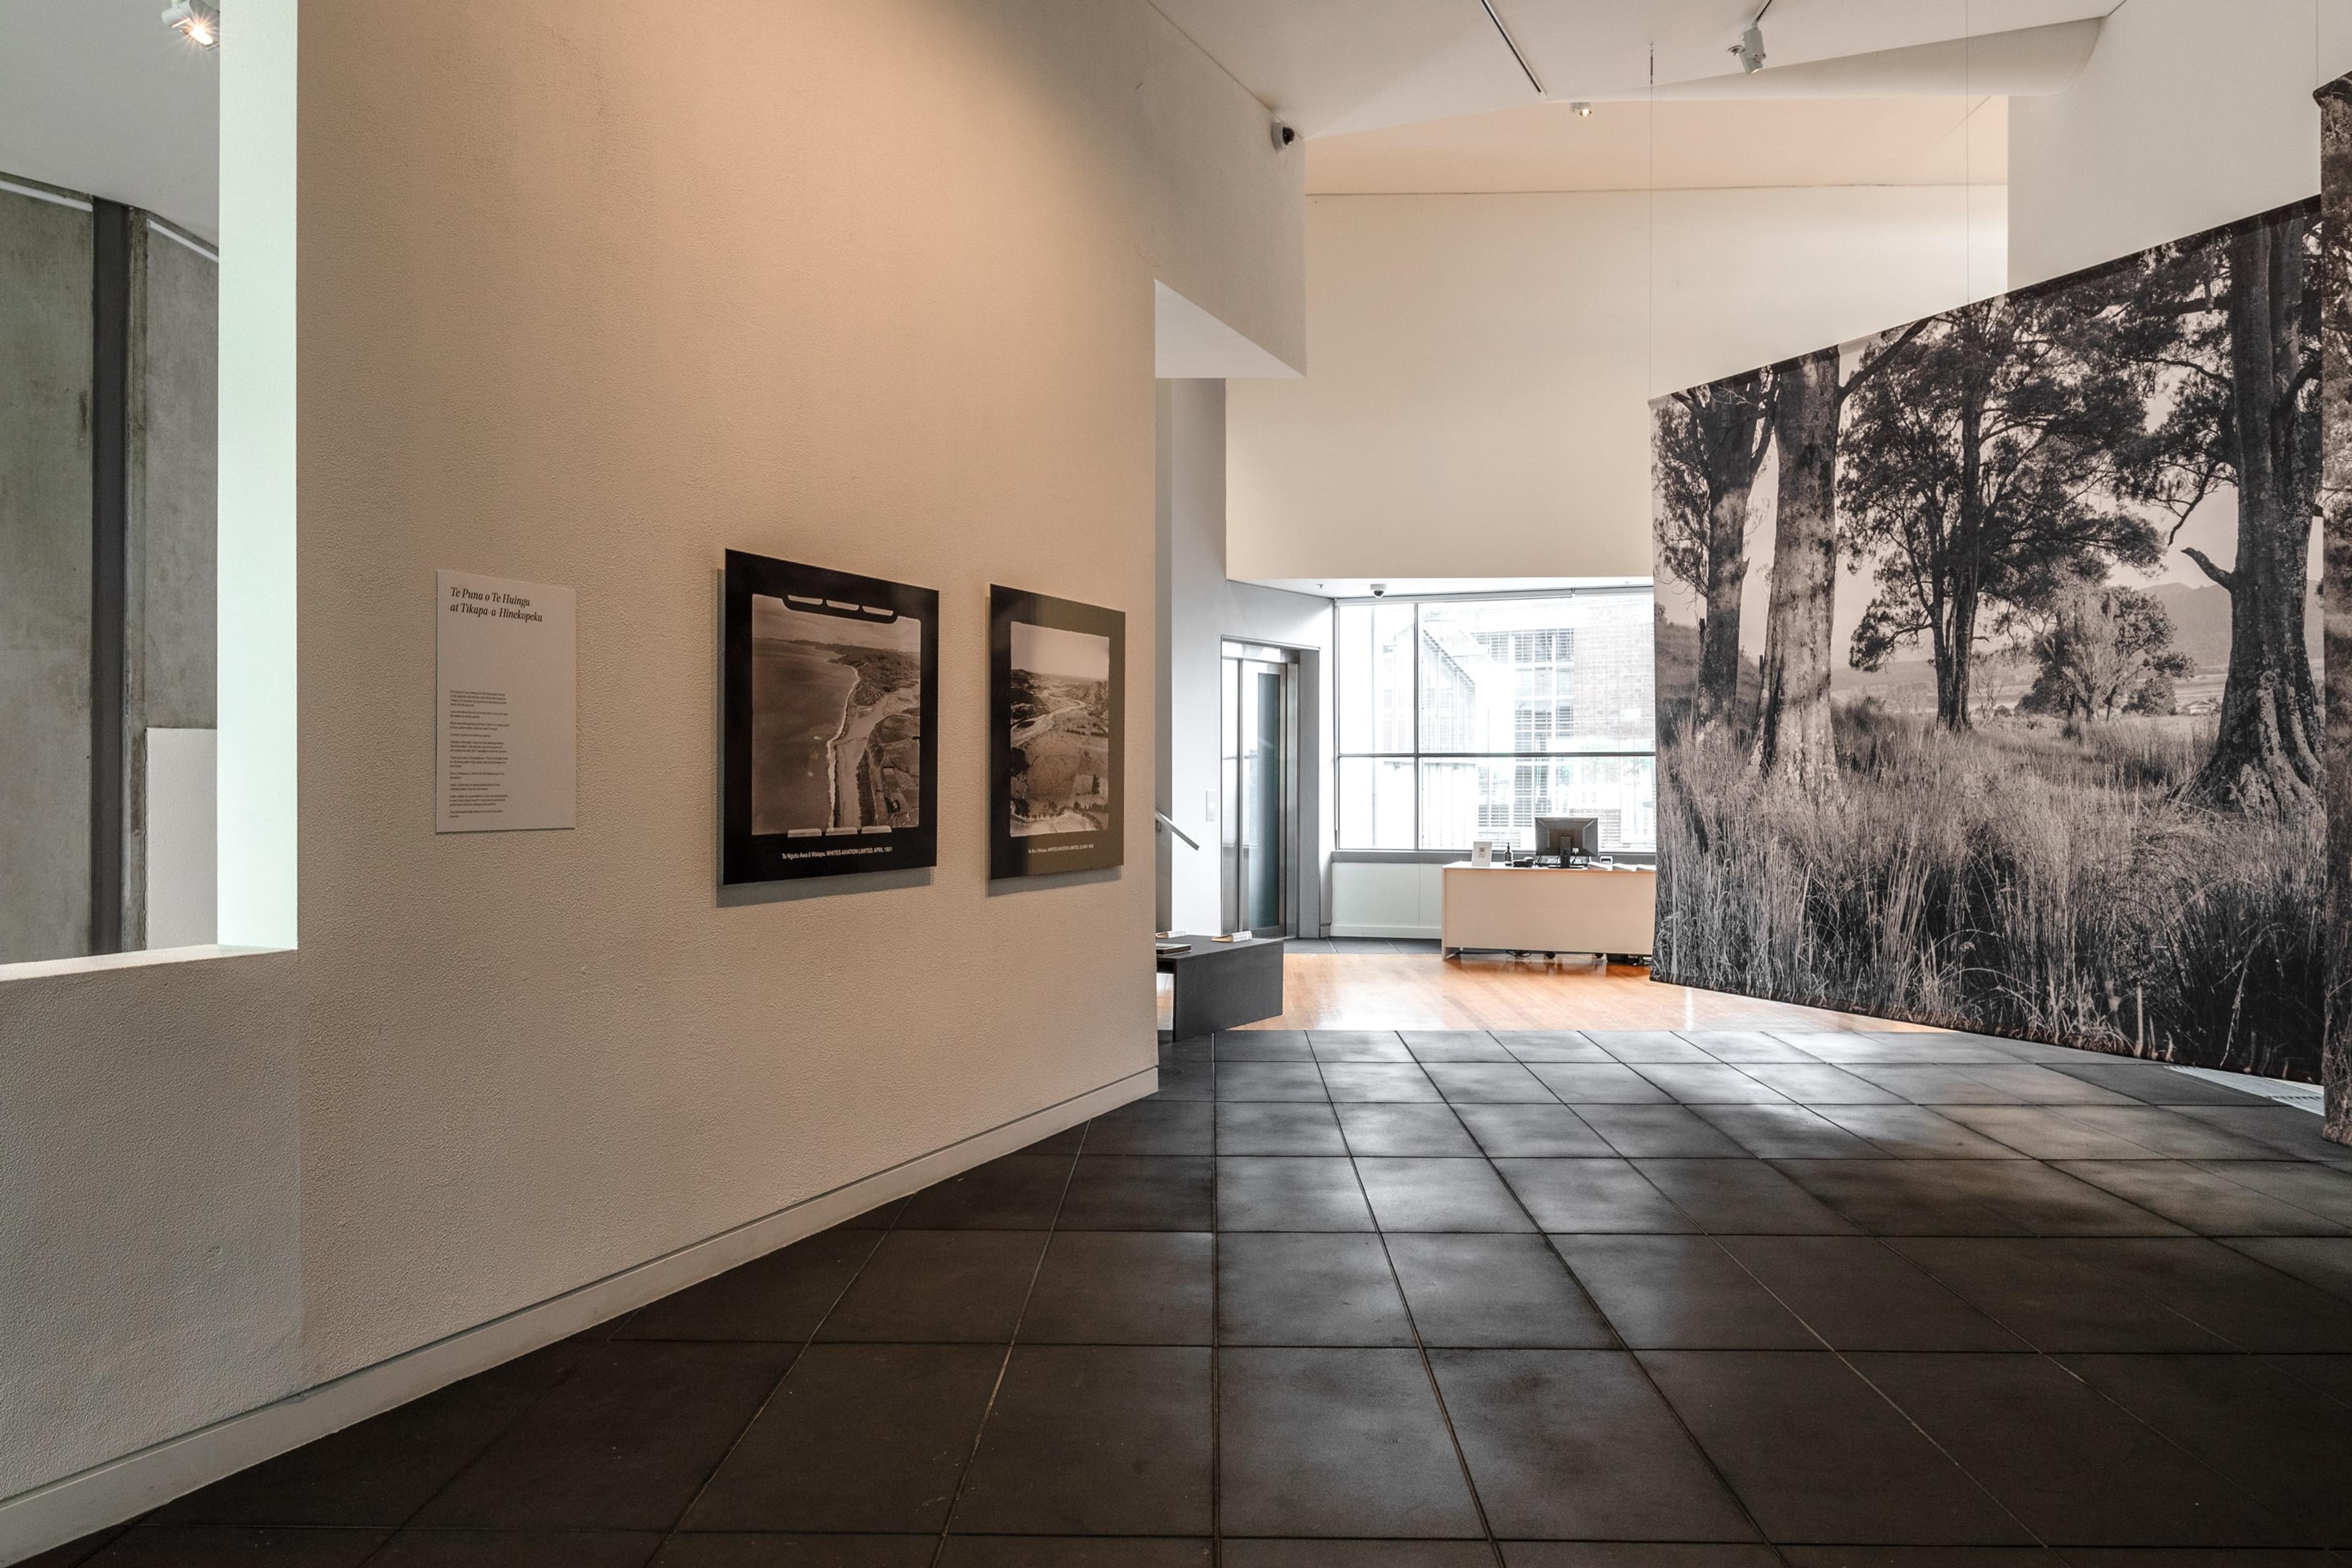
(174, 483)
(44, 577)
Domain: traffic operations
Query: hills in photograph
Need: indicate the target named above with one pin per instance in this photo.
(1986, 664)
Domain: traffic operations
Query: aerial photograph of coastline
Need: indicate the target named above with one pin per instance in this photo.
(836, 726)
(1061, 731)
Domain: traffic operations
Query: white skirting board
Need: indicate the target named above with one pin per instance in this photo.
(74, 1506)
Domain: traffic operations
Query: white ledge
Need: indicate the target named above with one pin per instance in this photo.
(99, 962)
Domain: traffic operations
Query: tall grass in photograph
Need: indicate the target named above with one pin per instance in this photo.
(2028, 741)
(2014, 880)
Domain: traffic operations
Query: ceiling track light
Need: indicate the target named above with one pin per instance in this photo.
(195, 21)
(1512, 44)
(1750, 46)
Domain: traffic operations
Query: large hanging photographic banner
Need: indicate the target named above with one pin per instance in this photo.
(1057, 675)
(1985, 664)
(831, 723)
(2335, 508)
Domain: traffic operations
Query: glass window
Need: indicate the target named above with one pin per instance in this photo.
(1375, 802)
(1376, 705)
(1467, 718)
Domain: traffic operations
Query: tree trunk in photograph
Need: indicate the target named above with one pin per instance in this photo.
(2336, 514)
(1957, 640)
(2266, 757)
(1953, 672)
(1793, 737)
(1727, 576)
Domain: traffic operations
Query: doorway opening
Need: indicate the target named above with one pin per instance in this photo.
(1259, 778)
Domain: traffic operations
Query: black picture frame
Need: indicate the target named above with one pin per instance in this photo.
(1018, 843)
(755, 844)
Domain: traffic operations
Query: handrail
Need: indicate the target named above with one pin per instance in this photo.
(1178, 832)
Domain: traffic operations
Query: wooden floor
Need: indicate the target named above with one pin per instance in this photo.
(1423, 990)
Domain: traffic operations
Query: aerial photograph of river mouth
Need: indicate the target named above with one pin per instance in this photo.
(836, 732)
(1061, 731)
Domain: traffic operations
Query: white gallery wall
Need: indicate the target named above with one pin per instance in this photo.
(1480, 366)
(2191, 114)
(586, 298)
(1201, 608)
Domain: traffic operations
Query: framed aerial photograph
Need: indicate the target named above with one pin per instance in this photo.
(830, 723)
(1056, 674)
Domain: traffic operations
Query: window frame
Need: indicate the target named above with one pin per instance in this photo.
(1416, 757)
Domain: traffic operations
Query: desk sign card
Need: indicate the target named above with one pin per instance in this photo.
(508, 711)
(829, 724)
(1056, 679)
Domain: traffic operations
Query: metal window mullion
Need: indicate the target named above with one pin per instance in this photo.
(1416, 724)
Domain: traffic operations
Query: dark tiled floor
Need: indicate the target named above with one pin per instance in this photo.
(1431, 1300)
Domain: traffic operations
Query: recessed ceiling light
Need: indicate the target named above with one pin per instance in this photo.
(197, 23)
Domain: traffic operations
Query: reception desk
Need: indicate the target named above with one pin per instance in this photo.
(1549, 909)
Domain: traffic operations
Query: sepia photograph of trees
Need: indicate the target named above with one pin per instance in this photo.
(1986, 664)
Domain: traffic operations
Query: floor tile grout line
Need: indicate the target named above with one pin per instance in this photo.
(2224, 1241)
(2282, 1157)
(1842, 1359)
(1004, 1365)
(521, 1411)
(2205, 1162)
(776, 1387)
(2034, 1349)
(2255, 1504)
(1421, 1348)
(1216, 1321)
(409, 1521)
(2026, 1348)
(102, 1539)
(1633, 1356)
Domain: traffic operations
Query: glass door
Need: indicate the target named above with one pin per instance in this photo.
(1260, 780)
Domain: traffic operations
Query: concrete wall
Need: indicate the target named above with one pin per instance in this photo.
(150, 1209)
(44, 576)
(2191, 113)
(1199, 609)
(176, 443)
(46, 379)
(1481, 366)
(587, 299)
(173, 585)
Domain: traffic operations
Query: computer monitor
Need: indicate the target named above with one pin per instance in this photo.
(1570, 838)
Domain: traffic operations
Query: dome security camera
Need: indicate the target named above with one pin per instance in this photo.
(1283, 135)
(1380, 590)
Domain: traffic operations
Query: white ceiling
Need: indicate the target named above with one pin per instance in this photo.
(100, 96)
(1408, 587)
(1332, 67)
(1675, 146)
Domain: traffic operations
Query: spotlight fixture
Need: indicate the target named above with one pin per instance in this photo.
(1750, 49)
(1750, 46)
(1583, 110)
(196, 22)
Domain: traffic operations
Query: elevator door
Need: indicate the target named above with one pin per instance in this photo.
(1260, 776)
